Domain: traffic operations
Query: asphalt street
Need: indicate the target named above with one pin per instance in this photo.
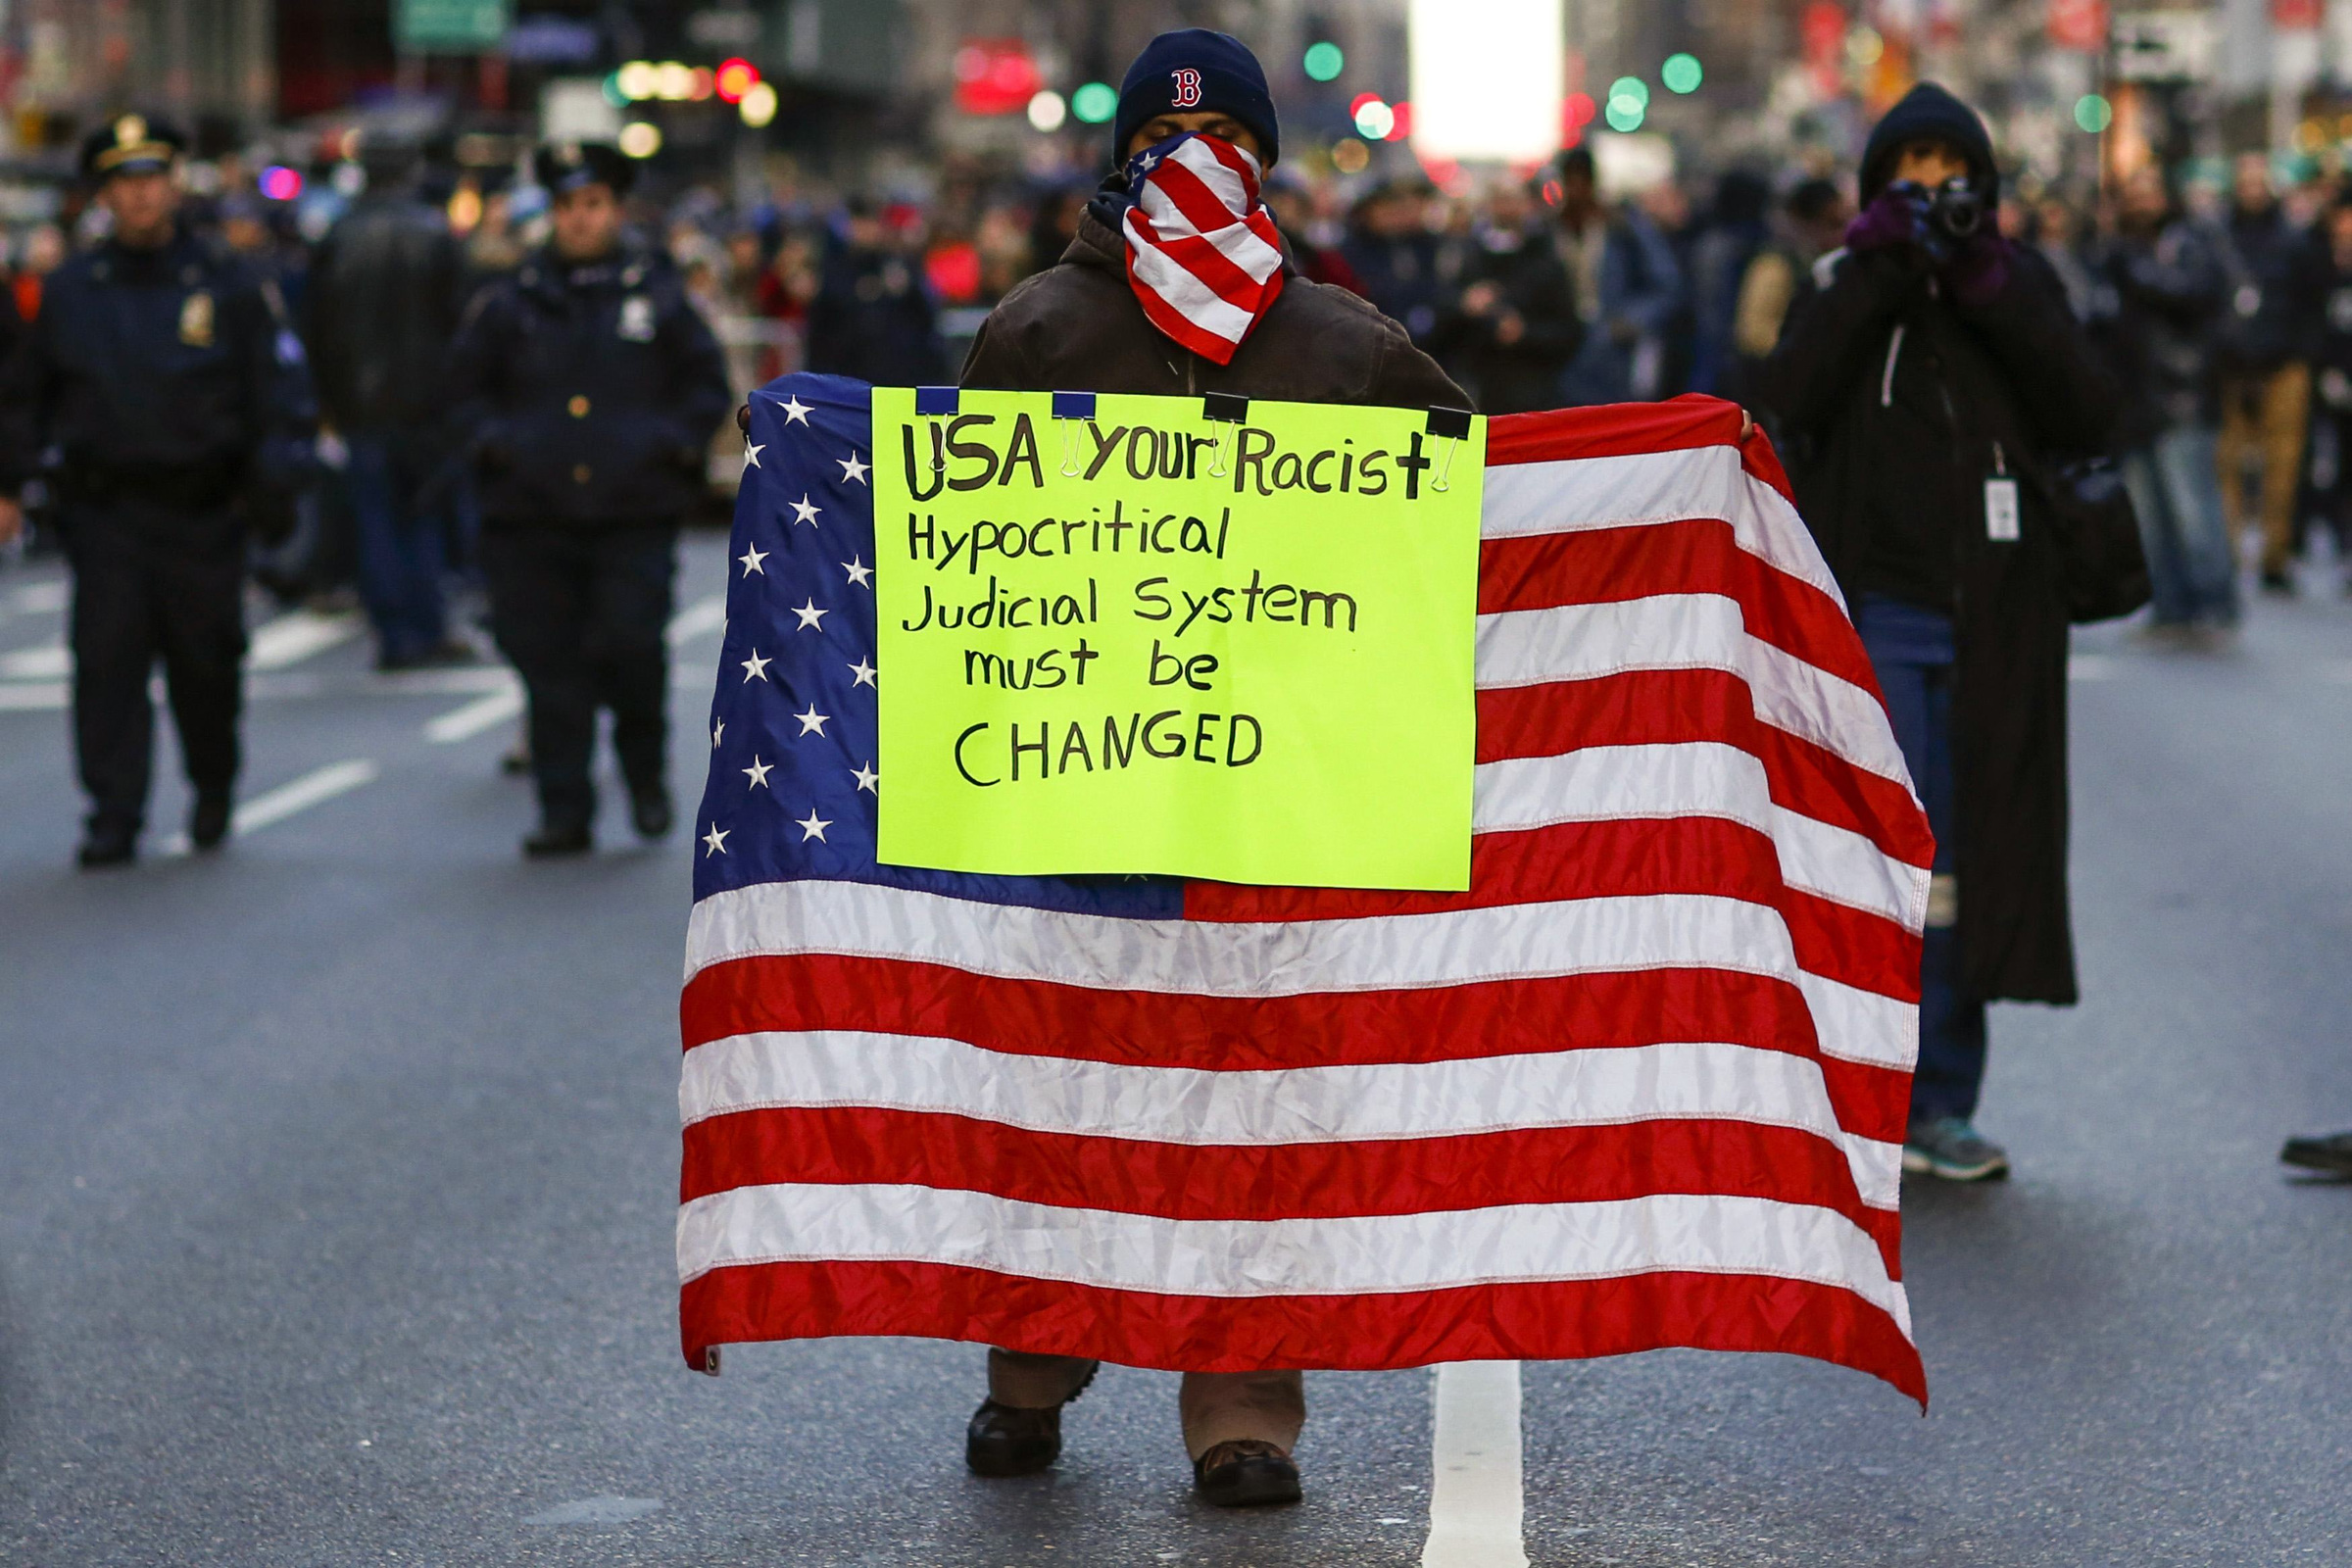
(337, 1173)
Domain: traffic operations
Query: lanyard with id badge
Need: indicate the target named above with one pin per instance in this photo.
(2000, 501)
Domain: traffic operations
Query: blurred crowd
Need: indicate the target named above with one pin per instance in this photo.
(2225, 306)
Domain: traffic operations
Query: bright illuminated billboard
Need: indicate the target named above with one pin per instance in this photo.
(1487, 77)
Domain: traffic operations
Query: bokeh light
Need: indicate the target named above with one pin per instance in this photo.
(280, 183)
(2093, 113)
(1094, 103)
(1624, 112)
(640, 138)
(1047, 109)
(1374, 119)
(758, 105)
(1324, 62)
(1682, 73)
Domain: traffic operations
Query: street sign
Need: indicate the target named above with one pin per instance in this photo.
(2165, 45)
(450, 26)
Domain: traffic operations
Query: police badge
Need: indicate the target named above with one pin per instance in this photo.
(196, 320)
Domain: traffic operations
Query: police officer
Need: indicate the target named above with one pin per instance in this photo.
(162, 373)
(590, 389)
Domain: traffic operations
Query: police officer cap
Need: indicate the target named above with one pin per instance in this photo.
(562, 166)
(130, 144)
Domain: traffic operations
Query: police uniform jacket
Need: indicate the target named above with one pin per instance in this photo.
(171, 374)
(588, 394)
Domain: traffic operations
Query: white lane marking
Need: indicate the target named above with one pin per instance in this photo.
(1475, 1507)
(703, 615)
(38, 697)
(42, 662)
(297, 635)
(313, 788)
(38, 599)
(464, 723)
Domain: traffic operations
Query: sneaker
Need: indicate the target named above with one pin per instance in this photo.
(2331, 1154)
(1247, 1474)
(1951, 1148)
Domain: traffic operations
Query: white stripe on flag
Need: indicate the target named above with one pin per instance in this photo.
(1612, 1086)
(1236, 242)
(1353, 1255)
(1298, 958)
(1186, 294)
(1634, 489)
(1697, 778)
(1202, 161)
(1690, 631)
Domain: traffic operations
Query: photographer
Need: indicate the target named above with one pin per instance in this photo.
(1923, 384)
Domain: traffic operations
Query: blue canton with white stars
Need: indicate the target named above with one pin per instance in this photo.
(796, 773)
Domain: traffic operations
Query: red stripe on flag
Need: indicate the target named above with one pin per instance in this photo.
(1544, 1321)
(1209, 266)
(858, 1144)
(1145, 1029)
(1699, 556)
(1632, 859)
(1676, 707)
(1623, 429)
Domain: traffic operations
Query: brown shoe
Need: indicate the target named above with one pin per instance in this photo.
(1246, 1473)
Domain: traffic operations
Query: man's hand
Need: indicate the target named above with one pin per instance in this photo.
(12, 519)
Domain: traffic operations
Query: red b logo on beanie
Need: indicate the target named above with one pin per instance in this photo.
(1188, 87)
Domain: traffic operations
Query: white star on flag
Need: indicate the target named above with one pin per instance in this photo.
(719, 733)
(758, 772)
(802, 511)
(813, 721)
(812, 827)
(867, 778)
(751, 451)
(756, 668)
(812, 617)
(796, 412)
(864, 673)
(860, 573)
(751, 558)
(852, 471)
(716, 838)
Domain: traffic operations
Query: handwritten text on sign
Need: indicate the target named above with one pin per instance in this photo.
(1147, 641)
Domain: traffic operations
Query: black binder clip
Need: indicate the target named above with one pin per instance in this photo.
(937, 403)
(1070, 411)
(1451, 426)
(1223, 407)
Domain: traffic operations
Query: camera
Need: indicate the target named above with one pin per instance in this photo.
(1957, 210)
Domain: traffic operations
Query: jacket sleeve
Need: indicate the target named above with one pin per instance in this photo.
(2064, 387)
(700, 395)
(1831, 334)
(1404, 377)
(476, 374)
(993, 363)
(282, 401)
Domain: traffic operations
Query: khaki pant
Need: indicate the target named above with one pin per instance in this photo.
(1215, 1406)
(2265, 417)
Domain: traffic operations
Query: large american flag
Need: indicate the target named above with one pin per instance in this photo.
(1642, 1085)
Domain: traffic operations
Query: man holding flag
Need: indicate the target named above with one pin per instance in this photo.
(1177, 285)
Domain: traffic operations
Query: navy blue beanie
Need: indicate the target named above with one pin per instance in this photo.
(1195, 71)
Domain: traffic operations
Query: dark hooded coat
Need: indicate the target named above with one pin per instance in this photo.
(1076, 327)
(1898, 402)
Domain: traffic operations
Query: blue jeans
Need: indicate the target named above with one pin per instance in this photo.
(1911, 649)
(2177, 490)
(401, 547)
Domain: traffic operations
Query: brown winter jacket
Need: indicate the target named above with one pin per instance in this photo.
(1076, 327)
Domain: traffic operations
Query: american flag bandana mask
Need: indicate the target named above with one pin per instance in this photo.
(1202, 254)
